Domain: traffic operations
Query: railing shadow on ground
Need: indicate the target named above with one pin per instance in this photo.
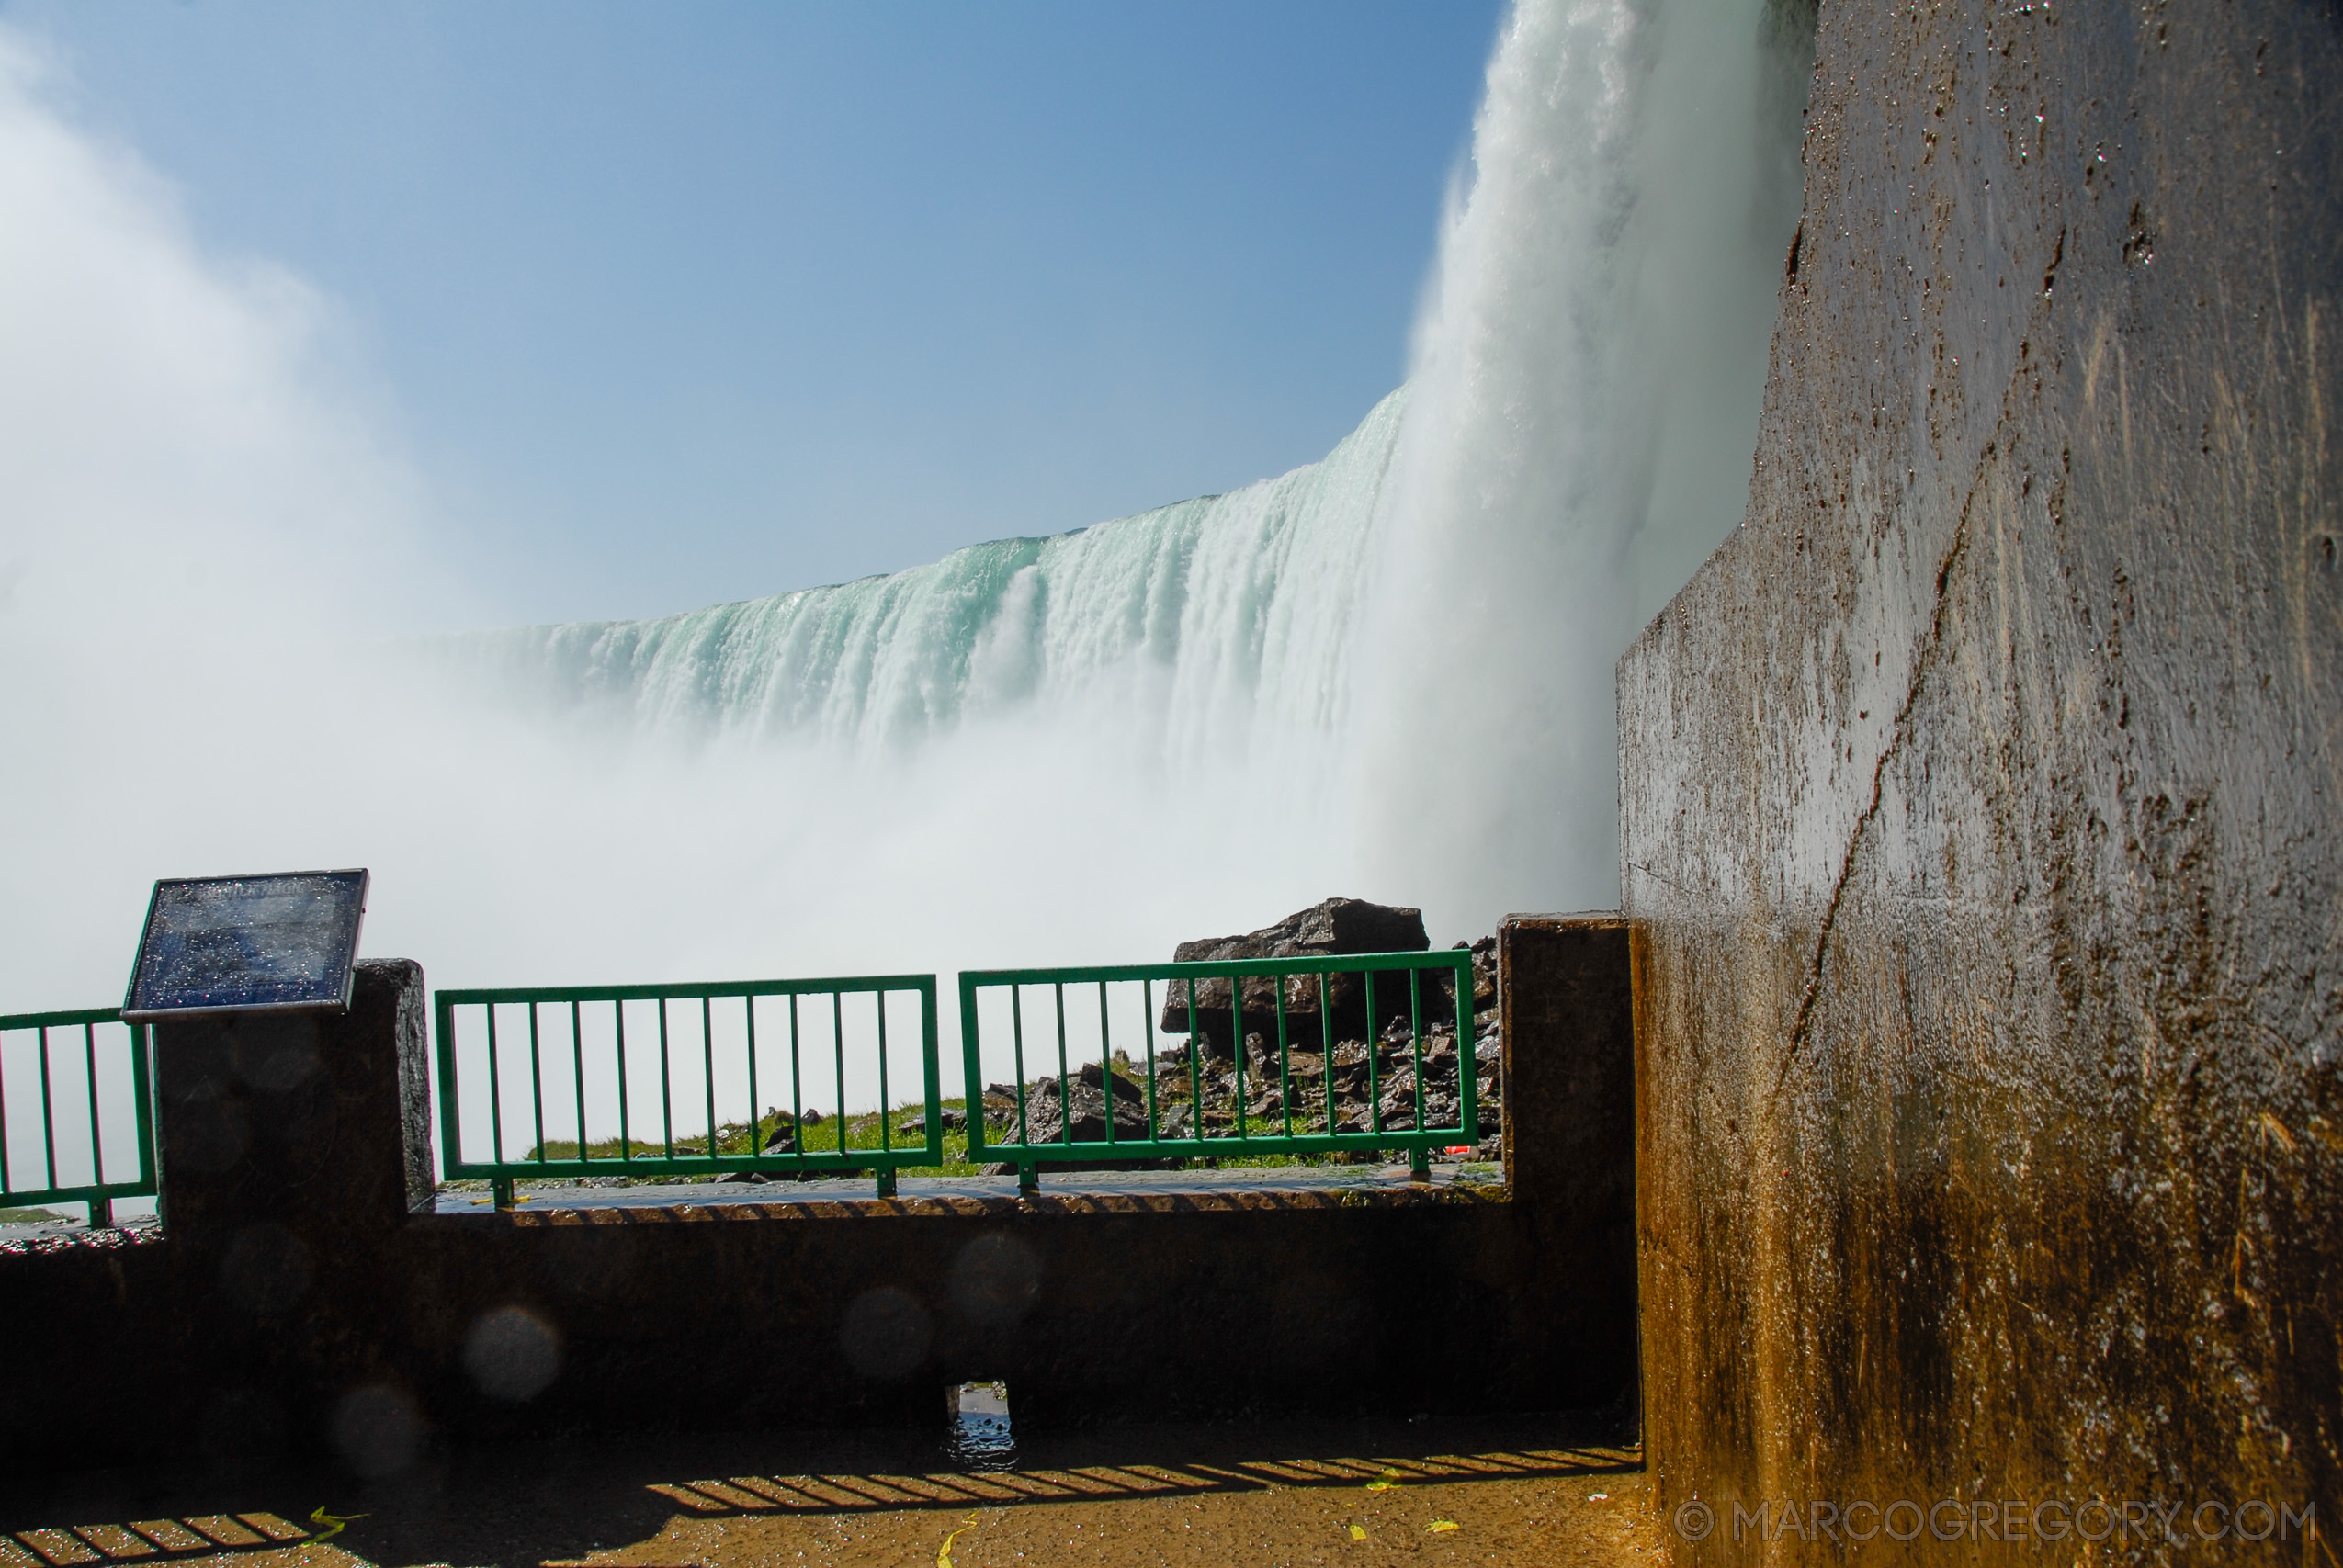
(1099, 1483)
(509, 1502)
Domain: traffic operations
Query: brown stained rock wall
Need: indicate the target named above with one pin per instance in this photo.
(1979, 796)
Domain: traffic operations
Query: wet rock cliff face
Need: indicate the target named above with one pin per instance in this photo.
(1979, 797)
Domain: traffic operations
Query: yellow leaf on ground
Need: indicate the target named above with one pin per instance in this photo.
(338, 1521)
(1440, 1527)
(943, 1553)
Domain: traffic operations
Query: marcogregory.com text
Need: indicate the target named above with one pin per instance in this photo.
(2160, 1521)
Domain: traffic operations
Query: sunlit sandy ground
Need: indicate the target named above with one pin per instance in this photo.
(1551, 1492)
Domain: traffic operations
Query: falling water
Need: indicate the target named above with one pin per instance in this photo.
(1230, 610)
(1401, 655)
(1386, 675)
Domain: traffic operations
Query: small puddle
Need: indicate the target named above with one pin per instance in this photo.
(981, 1438)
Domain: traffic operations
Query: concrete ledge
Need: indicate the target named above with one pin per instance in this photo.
(1169, 1192)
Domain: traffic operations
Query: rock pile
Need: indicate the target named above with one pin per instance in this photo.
(1048, 1105)
(1356, 1080)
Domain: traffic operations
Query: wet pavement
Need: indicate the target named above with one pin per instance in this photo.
(1545, 1490)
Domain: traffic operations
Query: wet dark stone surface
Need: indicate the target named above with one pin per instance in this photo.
(1979, 796)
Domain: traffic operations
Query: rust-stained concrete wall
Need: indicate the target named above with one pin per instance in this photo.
(1979, 797)
(296, 1299)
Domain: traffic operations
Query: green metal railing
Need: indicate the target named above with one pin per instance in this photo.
(79, 1086)
(559, 1089)
(1289, 1126)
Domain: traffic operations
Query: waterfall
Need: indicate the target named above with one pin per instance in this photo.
(1587, 382)
(1402, 654)
(1230, 610)
(1386, 675)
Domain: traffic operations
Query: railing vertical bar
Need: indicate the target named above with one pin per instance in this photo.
(96, 1142)
(47, 1117)
(886, 1171)
(1195, 1073)
(708, 1066)
(1285, 1064)
(1415, 1025)
(1147, 1033)
(886, 1103)
(495, 1093)
(932, 1073)
(1467, 1063)
(536, 1083)
(443, 1022)
(796, 1089)
(1374, 1058)
(1105, 1061)
(7, 1183)
(1420, 1158)
(1017, 1039)
(141, 1102)
(838, 1044)
(757, 1102)
(1065, 1091)
(577, 1073)
(1237, 1039)
(666, 1087)
(1326, 1045)
(626, 1124)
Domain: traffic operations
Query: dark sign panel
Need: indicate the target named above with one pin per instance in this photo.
(280, 943)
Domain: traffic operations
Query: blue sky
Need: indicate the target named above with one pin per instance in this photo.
(677, 304)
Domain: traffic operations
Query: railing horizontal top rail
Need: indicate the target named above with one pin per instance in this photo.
(1456, 959)
(682, 990)
(69, 1018)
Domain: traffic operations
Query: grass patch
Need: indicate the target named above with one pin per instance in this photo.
(868, 1131)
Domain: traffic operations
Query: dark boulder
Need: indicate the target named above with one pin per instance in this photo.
(1338, 927)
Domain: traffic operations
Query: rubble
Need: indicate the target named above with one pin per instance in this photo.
(1370, 1089)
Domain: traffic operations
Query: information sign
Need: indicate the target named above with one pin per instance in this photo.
(280, 943)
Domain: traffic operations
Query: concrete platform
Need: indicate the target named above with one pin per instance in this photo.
(1555, 1489)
